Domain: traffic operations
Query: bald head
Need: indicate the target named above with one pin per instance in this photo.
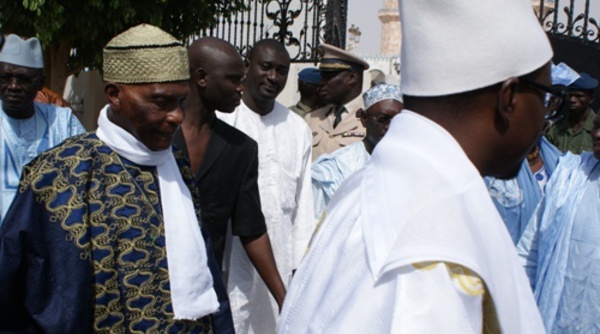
(210, 51)
(217, 71)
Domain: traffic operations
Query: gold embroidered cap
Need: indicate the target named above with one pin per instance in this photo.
(145, 54)
(336, 59)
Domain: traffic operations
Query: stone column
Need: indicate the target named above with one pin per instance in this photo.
(391, 33)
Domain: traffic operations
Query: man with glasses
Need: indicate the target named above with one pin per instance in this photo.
(574, 132)
(335, 125)
(561, 245)
(412, 243)
(382, 102)
(517, 198)
(27, 128)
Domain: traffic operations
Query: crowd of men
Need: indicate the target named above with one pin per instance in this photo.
(465, 201)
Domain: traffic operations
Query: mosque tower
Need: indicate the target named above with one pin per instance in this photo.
(391, 34)
(548, 5)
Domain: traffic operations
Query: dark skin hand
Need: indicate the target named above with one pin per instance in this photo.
(260, 253)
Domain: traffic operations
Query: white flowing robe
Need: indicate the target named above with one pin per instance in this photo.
(419, 200)
(284, 157)
(21, 140)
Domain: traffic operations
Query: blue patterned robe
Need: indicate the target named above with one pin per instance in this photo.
(83, 249)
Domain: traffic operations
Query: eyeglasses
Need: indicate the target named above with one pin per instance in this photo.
(382, 119)
(22, 81)
(554, 98)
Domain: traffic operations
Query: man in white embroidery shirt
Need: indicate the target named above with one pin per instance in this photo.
(413, 243)
(27, 128)
(284, 156)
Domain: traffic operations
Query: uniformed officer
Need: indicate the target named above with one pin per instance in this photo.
(335, 125)
(309, 80)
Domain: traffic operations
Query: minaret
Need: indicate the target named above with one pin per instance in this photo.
(391, 36)
(548, 5)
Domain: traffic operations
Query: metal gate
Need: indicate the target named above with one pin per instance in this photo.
(298, 24)
(574, 33)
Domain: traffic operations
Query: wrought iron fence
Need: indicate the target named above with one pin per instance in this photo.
(298, 24)
(571, 18)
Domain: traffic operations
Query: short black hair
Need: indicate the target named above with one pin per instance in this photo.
(267, 42)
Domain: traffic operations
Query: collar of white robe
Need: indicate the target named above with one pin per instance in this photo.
(192, 292)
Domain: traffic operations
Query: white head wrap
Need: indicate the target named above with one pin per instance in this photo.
(457, 46)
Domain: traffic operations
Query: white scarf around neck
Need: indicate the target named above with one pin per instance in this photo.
(192, 292)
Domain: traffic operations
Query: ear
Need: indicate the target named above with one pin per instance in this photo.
(507, 100)
(362, 115)
(200, 77)
(112, 92)
(352, 77)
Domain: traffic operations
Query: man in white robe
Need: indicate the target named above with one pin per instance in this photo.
(27, 128)
(561, 244)
(382, 102)
(413, 243)
(284, 155)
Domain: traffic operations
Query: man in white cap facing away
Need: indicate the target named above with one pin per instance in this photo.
(517, 198)
(335, 125)
(104, 234)
(27, 128)
(413, 243)
(382, 103)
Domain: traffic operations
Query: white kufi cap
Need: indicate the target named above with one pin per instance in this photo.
(380, 93)
(456, 46)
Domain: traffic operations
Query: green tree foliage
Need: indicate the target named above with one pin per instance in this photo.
(73, 32)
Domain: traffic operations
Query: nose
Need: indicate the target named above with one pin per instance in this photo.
(272, 75)
(239, 88)
(13, 83)
(176, 115)
(572, 99)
